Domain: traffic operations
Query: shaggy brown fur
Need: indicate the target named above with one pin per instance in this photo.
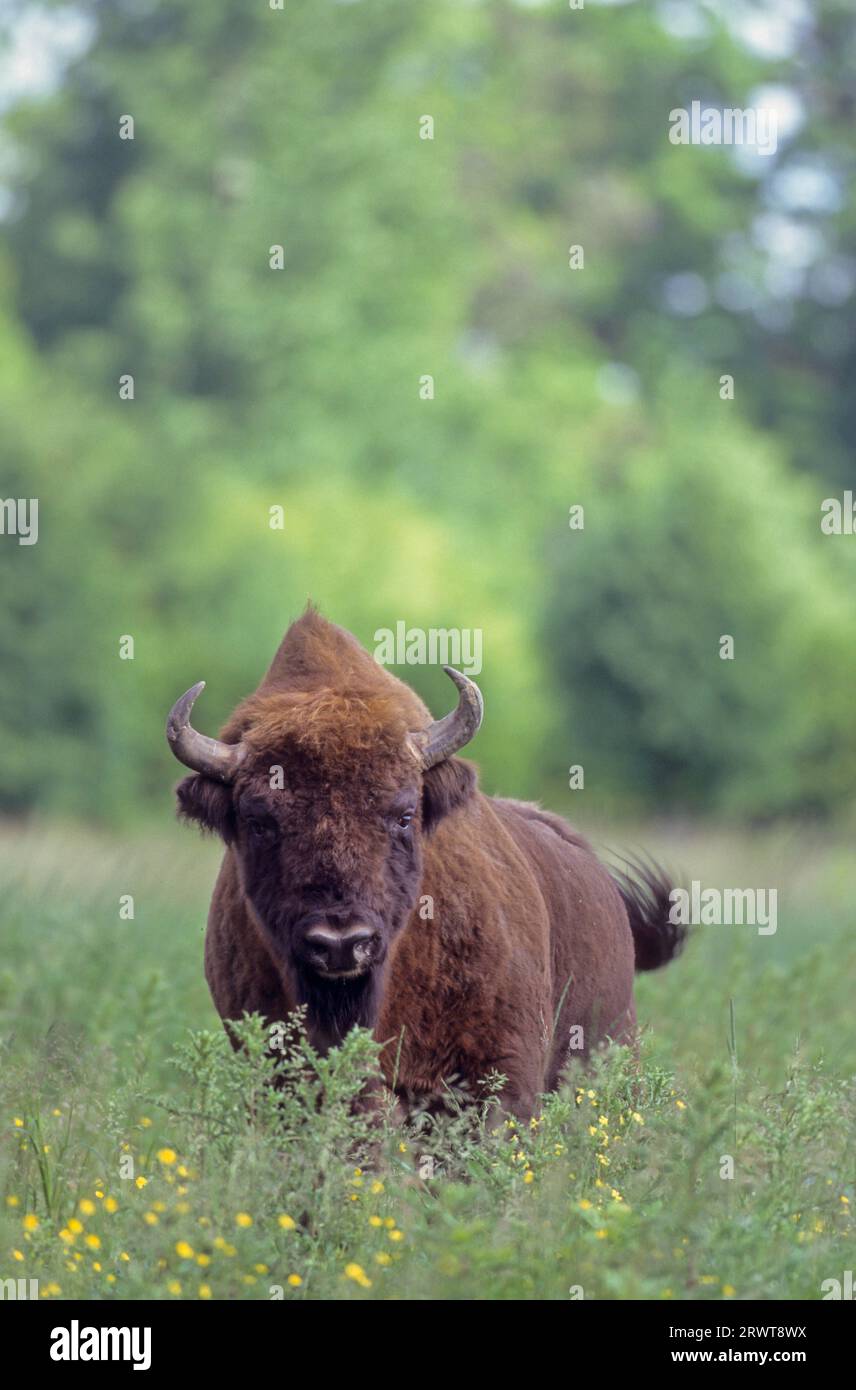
(494, 928)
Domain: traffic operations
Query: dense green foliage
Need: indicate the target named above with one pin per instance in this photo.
(554, 387)
(140, 1158)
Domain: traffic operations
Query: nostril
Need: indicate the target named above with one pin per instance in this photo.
(362, 945)
(320, 943)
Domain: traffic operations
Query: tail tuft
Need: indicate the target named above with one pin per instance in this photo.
(646, 889)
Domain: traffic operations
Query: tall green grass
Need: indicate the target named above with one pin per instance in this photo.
(141, 1158)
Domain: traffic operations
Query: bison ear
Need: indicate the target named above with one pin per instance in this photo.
(444, 788)
(207, 802)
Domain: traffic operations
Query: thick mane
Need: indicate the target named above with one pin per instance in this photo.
(315, 652)
(319, 667)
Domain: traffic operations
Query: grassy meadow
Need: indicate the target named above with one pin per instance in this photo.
(132, 1167)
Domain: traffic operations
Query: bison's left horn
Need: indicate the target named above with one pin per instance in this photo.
(196, 751)
(445, 736)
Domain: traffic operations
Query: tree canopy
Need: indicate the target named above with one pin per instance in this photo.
(442, 249)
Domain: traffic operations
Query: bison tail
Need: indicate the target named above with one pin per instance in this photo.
(646, 891)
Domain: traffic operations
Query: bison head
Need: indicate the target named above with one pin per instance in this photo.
(324, 796)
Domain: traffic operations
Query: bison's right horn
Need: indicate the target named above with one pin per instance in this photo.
(196, 751)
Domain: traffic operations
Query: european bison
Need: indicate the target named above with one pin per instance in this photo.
(367, 877)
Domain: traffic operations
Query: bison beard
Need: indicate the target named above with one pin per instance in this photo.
(333, 1007)
(342, 807)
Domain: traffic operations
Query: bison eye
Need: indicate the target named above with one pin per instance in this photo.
(404, 820)
(259, 829)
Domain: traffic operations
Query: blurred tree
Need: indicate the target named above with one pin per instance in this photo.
(403, 257)
(702, 536)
